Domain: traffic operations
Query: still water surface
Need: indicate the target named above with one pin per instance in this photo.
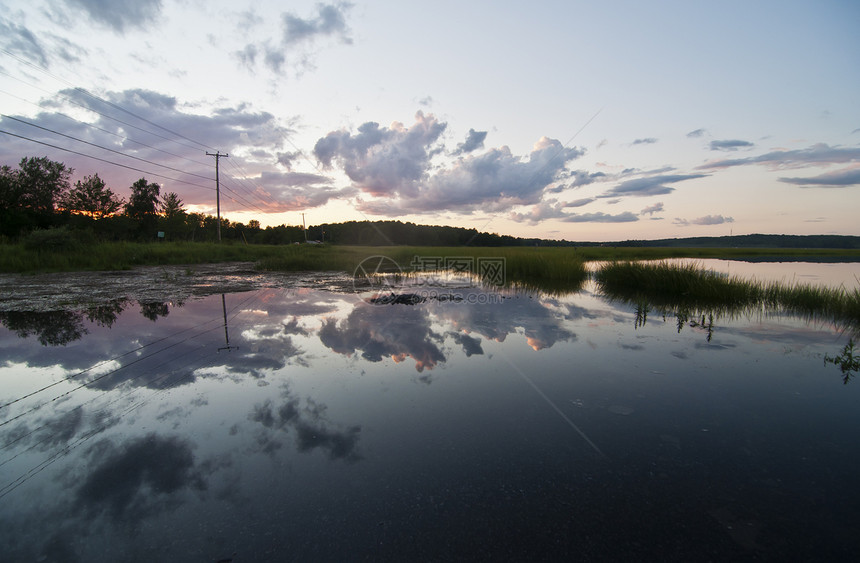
(318, 426)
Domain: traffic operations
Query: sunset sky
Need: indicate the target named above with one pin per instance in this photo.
(577, 120)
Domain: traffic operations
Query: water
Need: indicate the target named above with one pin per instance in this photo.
(318, 426)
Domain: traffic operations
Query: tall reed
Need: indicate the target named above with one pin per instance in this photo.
(691, 290)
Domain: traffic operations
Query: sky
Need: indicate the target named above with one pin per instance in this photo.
(591, 121)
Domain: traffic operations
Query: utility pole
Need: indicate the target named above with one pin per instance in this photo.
(217, 156)
(304, 227)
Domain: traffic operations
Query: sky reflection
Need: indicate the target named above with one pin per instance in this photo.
(424, 430)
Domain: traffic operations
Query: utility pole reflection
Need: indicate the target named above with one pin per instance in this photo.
(226, 334)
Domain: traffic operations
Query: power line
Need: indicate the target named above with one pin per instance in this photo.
(90, 107)
(104, 160)
(150, 173)
(113, 359)
(98, 98)
(38, 468)
(246, 202)
(48, 436)
(103, 148)
(103, 130)
(113, 105)
(102, 376)
(256, 191)
(114, 371)
(97, 112)
(252, 297)
(243, 200)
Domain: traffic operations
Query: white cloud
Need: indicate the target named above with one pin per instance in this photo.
(393, 165)
(120, 15)
(473, 142)
(295, 48)
(730, 145)
(836, 179)
(625, 217)
(814, 155)
(649, 185)
(706, 220)
(652, 209)
(329, 21)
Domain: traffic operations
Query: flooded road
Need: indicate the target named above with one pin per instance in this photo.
(291, 419)
(169, 284)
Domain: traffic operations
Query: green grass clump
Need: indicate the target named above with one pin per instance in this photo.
(685, 283)
(689, 290)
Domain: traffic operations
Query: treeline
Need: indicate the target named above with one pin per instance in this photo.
(39, 204)
(751, 241)
(60, 327)
(384, 233)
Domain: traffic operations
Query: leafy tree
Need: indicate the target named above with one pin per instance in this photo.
(153, 310)
(12, 217)
(10, 188)
(106, 315)
(143, 202)
(52, 328)
(43, 183)
(93, 198)
(143, 205)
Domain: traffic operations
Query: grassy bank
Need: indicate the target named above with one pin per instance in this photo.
(557, 264)
(16, 258)
(685, 288)
(689, 290)
(557, 268)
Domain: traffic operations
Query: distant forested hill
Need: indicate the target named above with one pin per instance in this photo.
(382, 233)
(753, 241)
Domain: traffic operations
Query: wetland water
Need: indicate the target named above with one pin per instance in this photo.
(315, 425)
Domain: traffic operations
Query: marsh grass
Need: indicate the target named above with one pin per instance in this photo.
(124, 255)
(688, 290)
(548, 269)
(557, 265)
(551, 269)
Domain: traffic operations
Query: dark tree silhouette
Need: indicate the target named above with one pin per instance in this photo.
(143, 205)
(171, 206)
(43, 183)
(105, 315)
(153, 310)
(92, 197)
(52, 328)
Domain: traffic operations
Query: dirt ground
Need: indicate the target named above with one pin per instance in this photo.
(77, 290)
